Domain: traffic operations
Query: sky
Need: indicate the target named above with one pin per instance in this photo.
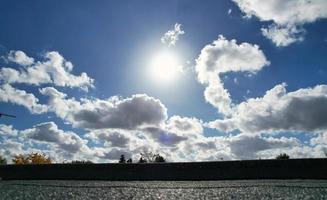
(191, 80)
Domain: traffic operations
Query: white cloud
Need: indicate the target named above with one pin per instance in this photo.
(130, 113)
(48, 132)
(225, 125)
(21, 97)
(111, 138)
(172, 36)
(202, 149)
(169, 140)
(320, 139)
(288, 17)
(20, 57)
(53, 69)
(226, 56)
(184, 125)
(283, 36)
(277, 110)
(9, 148)
(109, 144)
(7, 130)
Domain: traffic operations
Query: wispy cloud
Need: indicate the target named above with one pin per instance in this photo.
(172, 36)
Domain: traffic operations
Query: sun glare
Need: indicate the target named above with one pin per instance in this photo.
(164, 67)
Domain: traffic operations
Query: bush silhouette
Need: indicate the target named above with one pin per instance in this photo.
(32, 158)
(3, 161)
(282, 156)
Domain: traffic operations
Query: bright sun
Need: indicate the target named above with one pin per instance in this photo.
(164, 67)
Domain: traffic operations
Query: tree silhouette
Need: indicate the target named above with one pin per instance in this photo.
(282, 156)
(151, 158)
(3, 161)
(129, 160)
(159, 158)
(122, 159)
(142, 160)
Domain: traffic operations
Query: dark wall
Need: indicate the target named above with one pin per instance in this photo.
(254, 169)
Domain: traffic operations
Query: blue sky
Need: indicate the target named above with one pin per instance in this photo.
(247, 49)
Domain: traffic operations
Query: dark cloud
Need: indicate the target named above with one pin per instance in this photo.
(247, 147)
(116, 139)
(164, 137)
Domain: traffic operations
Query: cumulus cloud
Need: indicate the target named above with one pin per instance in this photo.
(288, 17)
(109, 144)
(7, 130)
(248, 147)
(114, 138)
(168, 139)
(115, 112)
(9, 148)
(45, 138)
(203, 148)
(171, 37)
(20, 58)
(164, 137)
(226, 56)
(21, 97)
(53, 69)
(174, 131)
(301, 110)
(48, 132)
(184, 125)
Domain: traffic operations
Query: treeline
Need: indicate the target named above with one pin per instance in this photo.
(144, 158)
(41, 158)
(37, 158)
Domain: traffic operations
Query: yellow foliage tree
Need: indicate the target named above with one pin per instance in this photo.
(32, 158)
(19, 159)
